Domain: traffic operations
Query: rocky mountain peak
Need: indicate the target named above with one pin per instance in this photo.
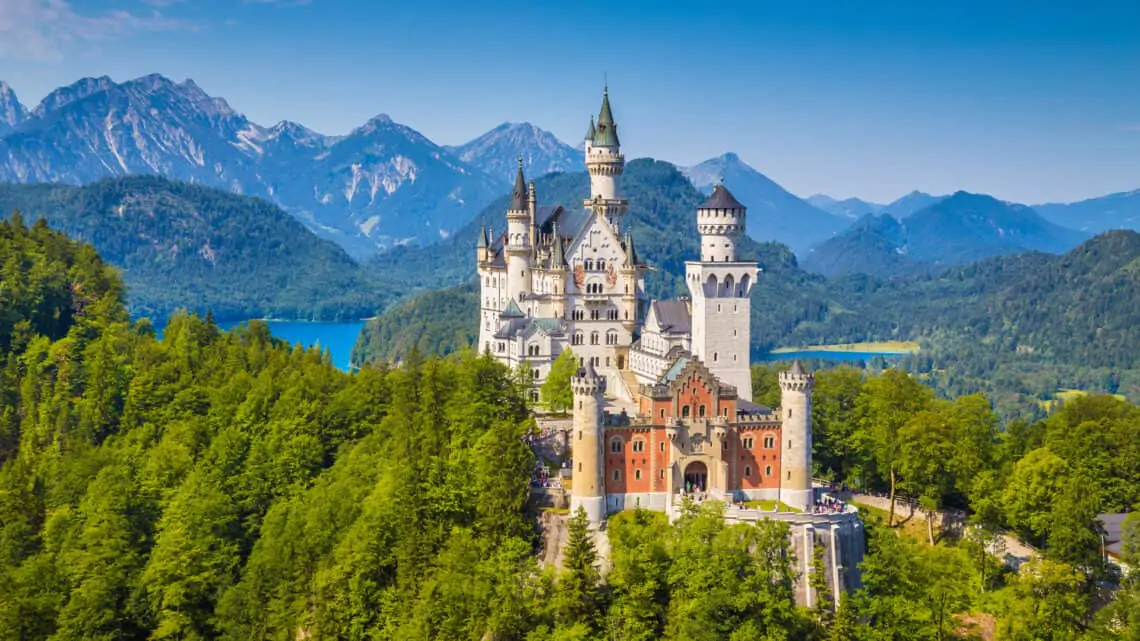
(77, 90)
(12, 113)
(496, 152)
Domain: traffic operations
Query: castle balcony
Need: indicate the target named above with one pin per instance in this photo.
(596, 298)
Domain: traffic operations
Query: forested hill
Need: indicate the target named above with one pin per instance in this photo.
(187, 246)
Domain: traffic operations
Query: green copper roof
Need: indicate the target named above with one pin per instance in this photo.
(605, 134)
(482, 237)
(512, 311)
(518, 194)
(590, 132)
(548, 325)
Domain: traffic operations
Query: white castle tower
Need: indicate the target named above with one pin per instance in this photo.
(605, 163)
(588, 491)
(795, 455)
(519, 247)
(720, 287)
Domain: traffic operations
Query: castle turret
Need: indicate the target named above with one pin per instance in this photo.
(605, 163)
(795, 450)
(518, 246)
(559, 273)
(721, 289)
(588, 484)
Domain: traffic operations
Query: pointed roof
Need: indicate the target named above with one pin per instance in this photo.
(721, 198)
(519, 193)
(605, 134)
(796, 369)
(558, 257)
(482, 238)
(591, 131)
(630, 252)
(512, 311)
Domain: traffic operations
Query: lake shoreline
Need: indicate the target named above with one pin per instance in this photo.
(879, 348)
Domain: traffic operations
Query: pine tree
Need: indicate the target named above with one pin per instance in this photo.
(578, 593)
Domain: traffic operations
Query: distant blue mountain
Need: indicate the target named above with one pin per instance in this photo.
(847, 208)
(957, 229)
(774, 214)
(909, 204)
(1115, 211)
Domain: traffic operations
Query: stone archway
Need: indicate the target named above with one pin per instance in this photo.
(696, 478)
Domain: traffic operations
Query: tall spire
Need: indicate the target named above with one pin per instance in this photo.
(591, 131)
(482, 238)
(519, 194)
(606, 132)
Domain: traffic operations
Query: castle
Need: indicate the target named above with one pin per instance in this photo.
(560, 278)
(662, 399)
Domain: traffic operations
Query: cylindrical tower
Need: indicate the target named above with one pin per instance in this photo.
(588, 486)
(795, 448)
(518, 247)
(720, 222)
(605, 163)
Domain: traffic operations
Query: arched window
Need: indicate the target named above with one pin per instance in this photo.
(701, 411)
(615, 445)
(601, 265)
(593, 338)
(637, 475)
(748, 471)
(685, 411)
(768, 471)
(577, 340)
(729, 286)
(611, 337)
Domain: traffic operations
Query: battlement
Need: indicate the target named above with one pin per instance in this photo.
(587, 383)
(796, 382)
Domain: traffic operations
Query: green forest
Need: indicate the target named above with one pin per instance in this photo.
(214, 485)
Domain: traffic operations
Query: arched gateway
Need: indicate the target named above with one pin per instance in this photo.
(696, 477)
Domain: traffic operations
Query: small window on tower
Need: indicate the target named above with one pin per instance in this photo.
(747, 471)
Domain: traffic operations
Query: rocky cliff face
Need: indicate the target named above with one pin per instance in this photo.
(12, 112)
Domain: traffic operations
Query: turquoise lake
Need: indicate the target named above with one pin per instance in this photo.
(830, 355)
(337, 338)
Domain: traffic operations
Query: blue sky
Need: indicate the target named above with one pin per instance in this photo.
(1030, 102)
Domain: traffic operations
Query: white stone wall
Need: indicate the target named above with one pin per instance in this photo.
(721, 313)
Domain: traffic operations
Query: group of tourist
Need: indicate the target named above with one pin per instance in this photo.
(828, 505)
(540, 477)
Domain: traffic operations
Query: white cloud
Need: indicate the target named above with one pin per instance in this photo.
(45, 29)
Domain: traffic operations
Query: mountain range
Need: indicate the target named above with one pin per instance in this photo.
(954, 230)
(380, 185)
